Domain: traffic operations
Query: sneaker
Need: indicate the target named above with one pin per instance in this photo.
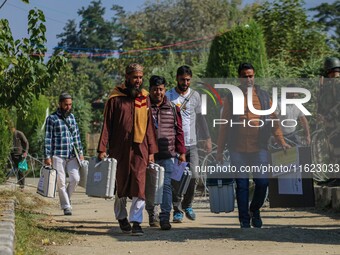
(178, 217)
(256, 221)
(189, 212)
(165, 225)
(153, 221)
(124, 225)
(67, 211)
(137, 229)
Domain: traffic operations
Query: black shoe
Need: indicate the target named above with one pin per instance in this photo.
(256, 221)
(124, 225)
(67, 211)
(325, 183)
(153, 221)
(137, 229)
(165, 225)
(333, 183)
(244, 225)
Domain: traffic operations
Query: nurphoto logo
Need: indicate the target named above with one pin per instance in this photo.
(238, 105)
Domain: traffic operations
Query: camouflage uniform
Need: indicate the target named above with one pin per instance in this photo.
(329, 109)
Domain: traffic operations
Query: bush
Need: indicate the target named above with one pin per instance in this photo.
(31, 124)
(82, 113)
(244, 43)
(5, 142)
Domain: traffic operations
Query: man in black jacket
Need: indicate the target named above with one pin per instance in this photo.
(170, 138)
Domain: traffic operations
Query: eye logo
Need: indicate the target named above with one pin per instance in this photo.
(207, 89)
(211, 91)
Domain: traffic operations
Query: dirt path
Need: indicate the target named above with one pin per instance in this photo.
(285, 231)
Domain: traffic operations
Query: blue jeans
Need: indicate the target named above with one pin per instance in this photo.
(239, 159)
(167, 191)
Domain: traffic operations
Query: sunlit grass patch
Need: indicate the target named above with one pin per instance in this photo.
(34, 231)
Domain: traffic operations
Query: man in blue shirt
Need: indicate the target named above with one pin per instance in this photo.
(62, 144)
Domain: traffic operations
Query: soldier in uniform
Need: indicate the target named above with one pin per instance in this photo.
(329, 115)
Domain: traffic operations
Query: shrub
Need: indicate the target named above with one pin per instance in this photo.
(244, 43)
(32, 124)
(5, 142)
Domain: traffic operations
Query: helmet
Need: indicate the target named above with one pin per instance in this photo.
(331, 63)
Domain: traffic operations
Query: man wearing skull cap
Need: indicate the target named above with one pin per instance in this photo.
(128, 134)
(62, 145)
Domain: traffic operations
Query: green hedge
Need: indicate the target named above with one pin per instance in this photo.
(32, 123)
(243, 43)
(5, 141)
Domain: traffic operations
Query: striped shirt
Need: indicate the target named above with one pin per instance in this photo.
(59, 139)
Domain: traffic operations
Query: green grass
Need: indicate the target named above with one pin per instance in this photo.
(33, 231)
(32, 235)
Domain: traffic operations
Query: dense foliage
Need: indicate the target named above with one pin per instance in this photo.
(24, 74)
(213, 37)
(243, 43)
(5, 142)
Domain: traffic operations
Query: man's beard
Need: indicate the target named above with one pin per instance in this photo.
(132, 91)
(64, 113)
(155, 100)
(246, 84)
(182, 88)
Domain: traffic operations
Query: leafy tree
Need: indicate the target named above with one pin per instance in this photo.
(96, 36)
(32, 124)
(308, 68)
(329, 16)
(85, 81)
(169, 69)
(244, 43)
(5, 141)
(94, 31)
(82, 112)
(135, 54)
(182, 27)
(172, 21)
(287, 28)
(81, 76)
(118, 26)
(69, 38)
(98, 82)
(23, 73)
(85, 78)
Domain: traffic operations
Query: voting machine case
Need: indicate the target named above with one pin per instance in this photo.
(47, 182)
(83, 172)
(221, 195)
(101, 178)
(184, 182)
(154, 184)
